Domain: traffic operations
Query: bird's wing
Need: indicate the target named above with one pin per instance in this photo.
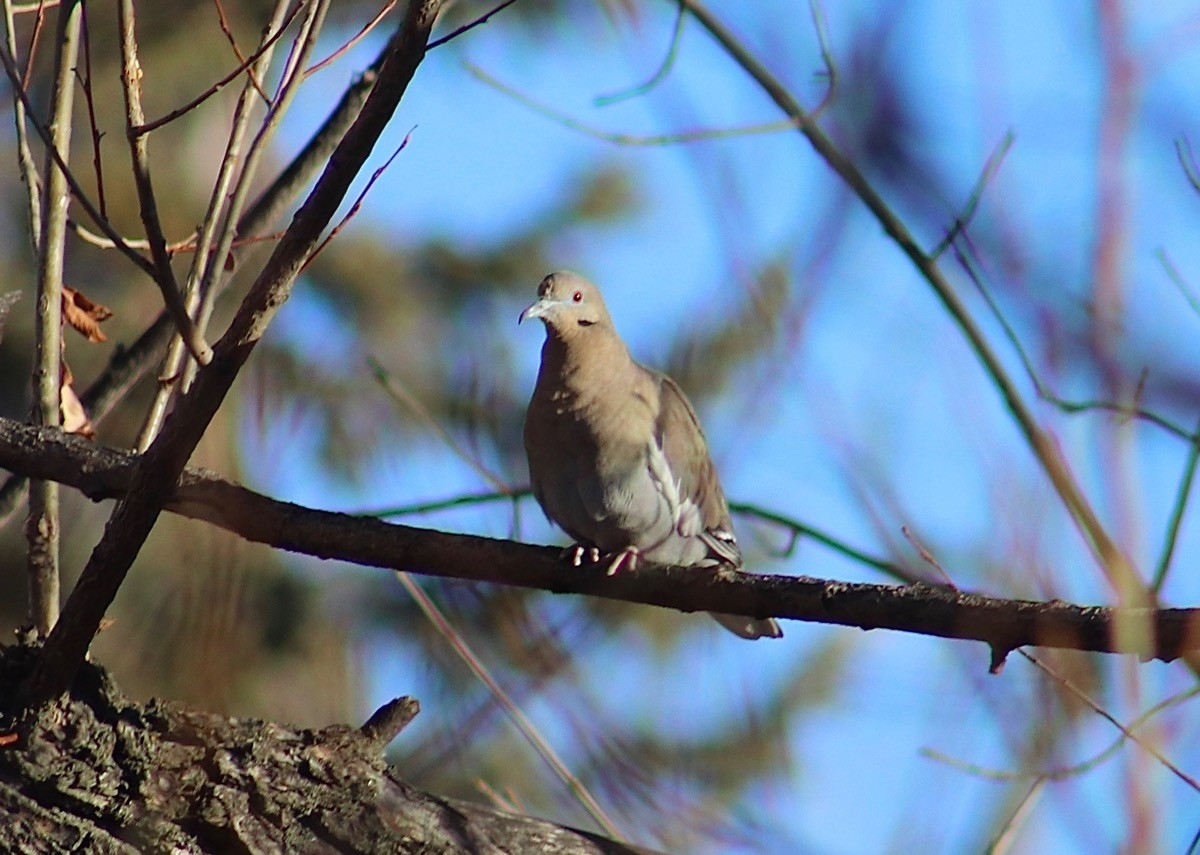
(700, 507)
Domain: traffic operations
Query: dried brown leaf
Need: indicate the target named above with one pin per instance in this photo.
(84, 315)
(74, 416)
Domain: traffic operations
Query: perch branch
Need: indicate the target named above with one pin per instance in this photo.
(1002, 624)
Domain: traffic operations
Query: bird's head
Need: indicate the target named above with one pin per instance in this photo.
(567, 304)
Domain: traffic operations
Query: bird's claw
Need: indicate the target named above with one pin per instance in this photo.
(580, 554)
(627, 558)
(577, 553)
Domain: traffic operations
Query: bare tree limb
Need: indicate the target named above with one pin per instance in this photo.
(29, 173)
(1002, 624)
(1116, 565)
(219, 220)
(164, 275)
(42, 523)
(129, 365)
(159, 468)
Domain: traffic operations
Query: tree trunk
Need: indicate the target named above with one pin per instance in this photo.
(95, 772)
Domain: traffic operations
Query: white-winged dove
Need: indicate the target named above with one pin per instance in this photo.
(616, 454)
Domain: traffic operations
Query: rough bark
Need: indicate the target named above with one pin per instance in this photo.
(94, 772)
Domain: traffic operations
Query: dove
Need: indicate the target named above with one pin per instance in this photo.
(617, 458)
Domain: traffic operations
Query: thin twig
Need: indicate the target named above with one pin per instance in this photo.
(660, 73)
(223, 23)
(29, 172)
(467, 500)
(155, 124)
(889, 568)
(164, 274)
(482, 19)
(1177, 279)
(39, 6)
(628, 139)
(1127, 732)
(202, 272)
(515, 714)
(1117, 567)
(158, 470)
(831, 75)
(1180, 505)
(357, 204)
(1187, 160)
(401, 395)
(35, 36)
(77, 191)
(85, 83)
(1062, 773)
(926, 555)
(290, 74)
(88, 236)
(1043, 391)
(990, 167)
(222, 255)
(1007, 835)
(353, 40)
(42, 523)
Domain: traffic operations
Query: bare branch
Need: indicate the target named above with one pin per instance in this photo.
(253, 81)
(515, 714)
(1002, 624)
(1044, 392)
(159, 468)
(990, 167)
(1116, 565)
(1127, 732)
(29, 173)
(77, 192)
(85, 84)
(353, 40)
(289, 84)
(223, 209)
(660, 73)
(1182, 495)
(356, 205)
(482, 19)
(129, 365)
(164, 275)
(404, 398)
(154, 124)
(628, 139)
(42, 523)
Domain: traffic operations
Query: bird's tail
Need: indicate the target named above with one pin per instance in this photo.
(751, 628)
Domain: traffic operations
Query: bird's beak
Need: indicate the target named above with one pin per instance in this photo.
(537, 310)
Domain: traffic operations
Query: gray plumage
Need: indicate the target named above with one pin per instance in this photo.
(616, 455)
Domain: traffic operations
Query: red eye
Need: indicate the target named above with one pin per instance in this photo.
(577, 296)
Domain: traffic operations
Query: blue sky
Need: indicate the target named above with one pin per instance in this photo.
(879, 379)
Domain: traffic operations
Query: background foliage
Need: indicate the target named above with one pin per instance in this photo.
(833, 389)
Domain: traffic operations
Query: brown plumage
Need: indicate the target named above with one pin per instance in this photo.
(616, 454)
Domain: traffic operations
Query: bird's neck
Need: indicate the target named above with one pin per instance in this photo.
(586, 362)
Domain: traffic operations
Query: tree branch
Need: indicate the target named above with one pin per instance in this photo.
(1002, 624)
(42, 521)
(159, 468)
(1116, 565)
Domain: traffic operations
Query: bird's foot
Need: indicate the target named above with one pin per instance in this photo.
(579, 552)
(583, 553)
(626, 559)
